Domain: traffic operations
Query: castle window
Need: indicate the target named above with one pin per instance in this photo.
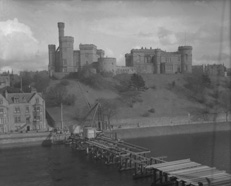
(64, 62)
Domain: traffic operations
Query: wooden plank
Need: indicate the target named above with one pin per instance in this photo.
(192, 170)
(159, 165)
(193, 176)
(209, 175)
(220, 180)
(221, 173)
(180, 166)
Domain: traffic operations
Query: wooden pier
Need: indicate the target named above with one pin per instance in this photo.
(186, 172)
(130, 157)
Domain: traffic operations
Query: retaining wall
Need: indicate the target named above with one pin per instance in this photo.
(140, 132)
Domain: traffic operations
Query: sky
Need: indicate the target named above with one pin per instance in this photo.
(28, 26)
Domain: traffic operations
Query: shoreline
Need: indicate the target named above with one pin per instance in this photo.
(14, 140)
(153, 131)
(36, 139)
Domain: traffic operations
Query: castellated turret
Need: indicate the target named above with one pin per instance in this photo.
(64, 59)
(61, 29)
(186, 58)
(157, 61)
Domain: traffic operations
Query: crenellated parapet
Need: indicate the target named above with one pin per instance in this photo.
(162, 61)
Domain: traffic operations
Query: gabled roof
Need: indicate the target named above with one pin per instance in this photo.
(22, 97)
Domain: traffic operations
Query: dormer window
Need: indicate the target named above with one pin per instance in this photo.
(37, 100)
(15, 99)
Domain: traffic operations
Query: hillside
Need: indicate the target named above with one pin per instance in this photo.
(165, 96)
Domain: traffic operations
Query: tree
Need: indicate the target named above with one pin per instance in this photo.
(137, 82)
(41, 82)
(226, 102)
(108, 109)
(56, 95)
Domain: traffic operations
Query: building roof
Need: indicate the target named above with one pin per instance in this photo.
(22, 97)
(55, 113)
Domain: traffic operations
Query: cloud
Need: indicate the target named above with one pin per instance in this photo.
(109, 52)
(121, 60)
(17, 45)
(166, 36)
(222, 58)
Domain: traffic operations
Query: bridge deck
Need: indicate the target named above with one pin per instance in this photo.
(192, 173)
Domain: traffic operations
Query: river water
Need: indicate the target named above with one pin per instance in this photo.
(60, 166)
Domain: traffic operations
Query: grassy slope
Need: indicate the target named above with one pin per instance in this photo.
(165, 100)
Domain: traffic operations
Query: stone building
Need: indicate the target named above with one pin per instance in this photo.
(158, 61)
(64, 59)
(22, 111)
(211, 70)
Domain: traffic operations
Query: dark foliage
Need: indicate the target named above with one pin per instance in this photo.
(137, 82)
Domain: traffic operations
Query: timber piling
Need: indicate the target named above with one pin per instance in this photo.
(134, 158)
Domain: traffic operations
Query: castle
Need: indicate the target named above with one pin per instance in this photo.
(64, 59)
(157, 61)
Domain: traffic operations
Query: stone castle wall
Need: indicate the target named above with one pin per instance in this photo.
(65, 59)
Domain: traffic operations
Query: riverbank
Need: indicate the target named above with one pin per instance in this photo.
(31, 139)
(141, 132)
(22, 139)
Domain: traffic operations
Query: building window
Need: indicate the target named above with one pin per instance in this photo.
(16, 100)
(37, 118)
(17, 109)
(17, 119)
(64, 62)
(27, 109)
(2, 120)
(37, 100)
(1, 111)
(1, 101)
(37, 109)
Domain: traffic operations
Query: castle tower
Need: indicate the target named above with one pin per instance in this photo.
(51, 53)
(65, 50)
(157, 60)
(186, 58)
(61, 29)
